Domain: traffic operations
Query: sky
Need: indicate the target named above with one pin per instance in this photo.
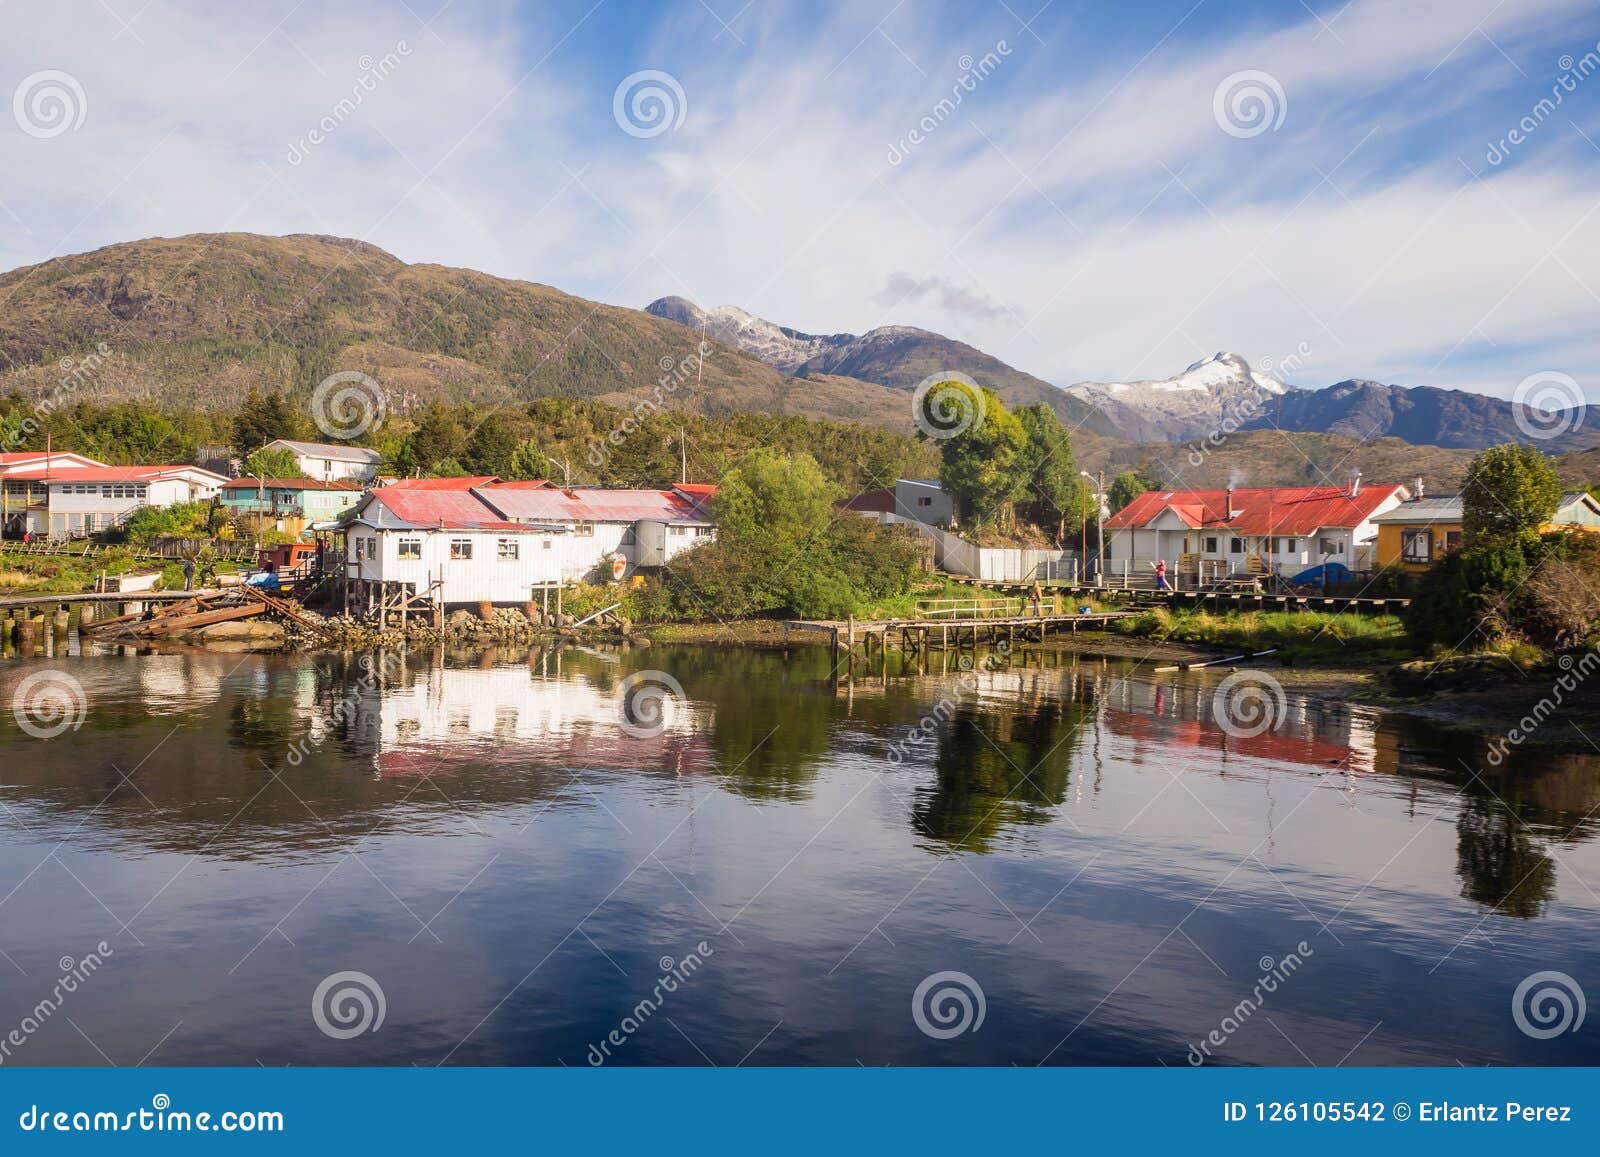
(1089, 191)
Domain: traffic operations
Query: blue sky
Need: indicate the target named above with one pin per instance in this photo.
(1093, 207)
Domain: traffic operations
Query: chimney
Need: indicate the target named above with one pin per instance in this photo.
(1355, 483)
(1229, 509)
(1416, 488)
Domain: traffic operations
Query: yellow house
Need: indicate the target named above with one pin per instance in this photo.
(1416, 534)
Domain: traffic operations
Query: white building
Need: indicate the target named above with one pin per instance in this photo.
(1279, 530)
(330, 460)
(919, 500)
(448, 545)
(611, 530)
(61, 502)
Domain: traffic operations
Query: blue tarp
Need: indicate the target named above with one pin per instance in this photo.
(1322, 574)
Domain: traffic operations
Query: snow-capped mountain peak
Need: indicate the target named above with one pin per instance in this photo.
(1190, 405)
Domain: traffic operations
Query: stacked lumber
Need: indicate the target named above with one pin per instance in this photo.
(201, 611)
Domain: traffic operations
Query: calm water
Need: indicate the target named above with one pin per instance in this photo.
(491, 843)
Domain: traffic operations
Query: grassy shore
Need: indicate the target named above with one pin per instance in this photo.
(1313, 636)
(64, 574)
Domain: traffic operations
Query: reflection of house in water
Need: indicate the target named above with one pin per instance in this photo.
(1183, 713)
(181, 683)
(437, 719)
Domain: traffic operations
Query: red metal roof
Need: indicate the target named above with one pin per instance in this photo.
(592, 504)
(1296, 510)
(413, 507)
(443, 483)
(528, 484)
(10, 456)
(871, 502)
(103, 473)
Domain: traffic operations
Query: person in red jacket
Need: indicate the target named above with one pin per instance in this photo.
(1161, 575)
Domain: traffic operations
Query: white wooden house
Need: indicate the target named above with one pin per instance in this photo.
(641, 528)
(331, 460)
(1237, 530)
(448, 548)
(62, 502)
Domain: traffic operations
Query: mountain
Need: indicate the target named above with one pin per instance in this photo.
(1422, 415)
(1216, 390)
(195, 321)
(896, 356)
(1223, 394)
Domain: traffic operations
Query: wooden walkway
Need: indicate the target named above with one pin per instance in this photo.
(920, 634)
(19, 601)
(1234, 599)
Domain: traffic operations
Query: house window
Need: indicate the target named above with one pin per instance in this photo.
(1329, 546)
(584, 529)
(1235, 546)
(409, 548)
(545, 544)
(924, 500)
(507, 549)
(1291, 546)
(460, 548)
(677, 531)
(703, 531)
(1211, 544)
(360, 545)
(1416, 545)
(1452, 540)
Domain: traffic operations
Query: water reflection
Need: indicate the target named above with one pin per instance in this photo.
(788, 808)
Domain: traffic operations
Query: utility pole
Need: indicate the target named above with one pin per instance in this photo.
(683, 456)
(1100, 525)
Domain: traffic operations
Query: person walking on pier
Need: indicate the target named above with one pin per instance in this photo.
(188, 574)
(1037, 594)
(1161, 575)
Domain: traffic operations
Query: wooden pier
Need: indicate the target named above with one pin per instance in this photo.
(915, 635)
(1223, 598)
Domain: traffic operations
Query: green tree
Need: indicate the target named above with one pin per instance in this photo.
(527, 463)
(1051, 488)
(1125, 487)
(1509, 493)
(772, 502)
(490, 449)
(979, 465)
(273, 463)
(437, 437)
(262, 418)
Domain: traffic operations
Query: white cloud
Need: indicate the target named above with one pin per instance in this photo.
(1142, 239)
